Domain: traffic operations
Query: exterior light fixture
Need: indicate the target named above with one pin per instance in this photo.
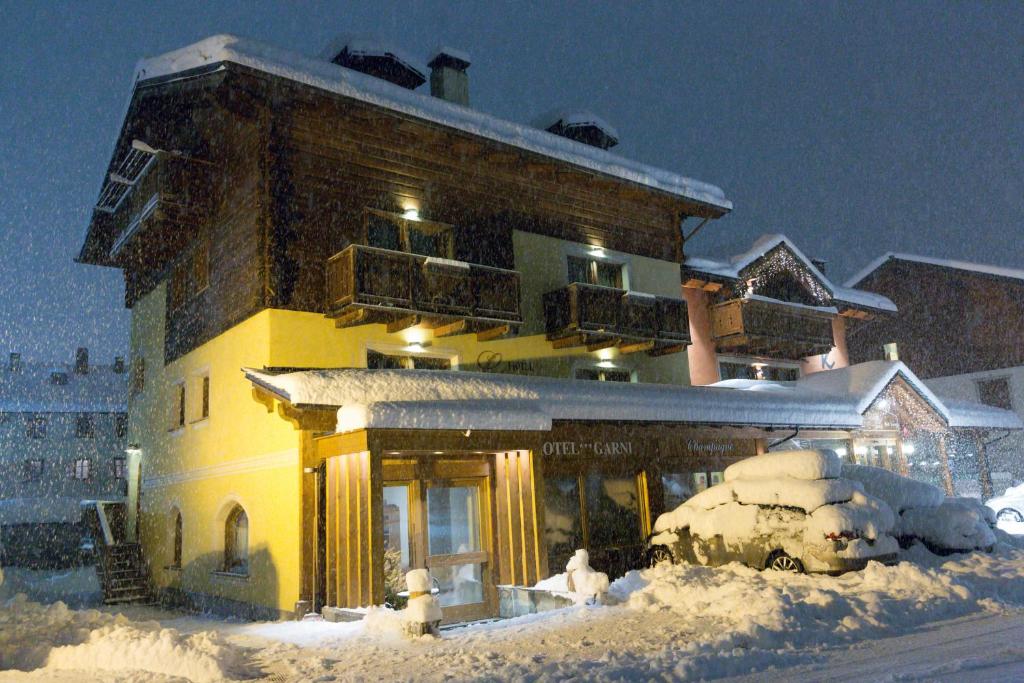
(597, 252)
(411, 214)
(133, 449)
(908, 448)
(841, 452)
(606, 364)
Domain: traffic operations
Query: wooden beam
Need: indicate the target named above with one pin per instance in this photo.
(402, 323)
(666, 350)
(694, 283)
(636, 347)
(712, 286)
(350, 318)
(571, 340)
(449, 329)
(493, 333)
(603, 344)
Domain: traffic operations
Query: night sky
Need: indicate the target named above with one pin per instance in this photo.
(853, 128)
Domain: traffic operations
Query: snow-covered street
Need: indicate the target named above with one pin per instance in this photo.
(924, 619)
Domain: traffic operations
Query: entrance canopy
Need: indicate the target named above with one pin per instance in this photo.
(429, 399)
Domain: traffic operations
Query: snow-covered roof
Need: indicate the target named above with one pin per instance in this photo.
(219, 49)
(1014, 273)
(429, 399)
(732, 268)
(575, 117)
(31, 389)
(858, 386)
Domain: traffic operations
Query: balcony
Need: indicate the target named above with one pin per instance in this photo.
(153, 187)
(771, 328)
(600, 317)
(368, 284)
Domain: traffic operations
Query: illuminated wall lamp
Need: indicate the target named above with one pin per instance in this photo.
(133, 449)
(411, 214)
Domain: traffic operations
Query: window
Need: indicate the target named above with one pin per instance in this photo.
(35, 427)
(82, 469)
(178, 286)
(176, 548)
(138, 375)
(376, 360)
(121, 426)
(32, 470)
(595, 272)
(995, 392)
(59, 378)
(201, 267)
(236, 542)
(120, 470)
(178, 406)
(390, 231)
(604, 374)
(204, 399)
(84, 427)
(755, 370)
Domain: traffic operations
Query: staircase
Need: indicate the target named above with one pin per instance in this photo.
(120, 565)
(122, 573)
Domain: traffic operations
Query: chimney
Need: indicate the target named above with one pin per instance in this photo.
(15, 364)
(891, 352)
(448, 78)
(119, 364)
(820, 264)
(82, 361)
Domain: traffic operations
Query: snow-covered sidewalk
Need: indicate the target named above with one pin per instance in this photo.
(681, 622)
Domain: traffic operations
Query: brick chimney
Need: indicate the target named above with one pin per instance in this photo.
(448, 77)
(82, 361)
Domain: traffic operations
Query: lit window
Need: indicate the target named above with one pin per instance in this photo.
(82, 469)
(236, 542)
(604, 375)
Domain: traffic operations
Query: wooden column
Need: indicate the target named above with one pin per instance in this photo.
(519, 549)
(984, 473)
(947, 475)
(355, 533)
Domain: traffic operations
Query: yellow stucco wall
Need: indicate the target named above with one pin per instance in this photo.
(244, 454)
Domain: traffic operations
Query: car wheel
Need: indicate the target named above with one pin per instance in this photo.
(659, 554)
(1010, 515)
(780, 561)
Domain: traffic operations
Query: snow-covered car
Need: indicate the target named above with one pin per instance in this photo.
(1009, 507)
(924, 513)
(787, 511)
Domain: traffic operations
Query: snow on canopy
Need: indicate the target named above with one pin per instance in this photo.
(33, 388)
(216, 50)
(732, 268)
(999, 271)
(797, 464)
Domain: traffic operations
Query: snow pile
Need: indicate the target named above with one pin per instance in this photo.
(53, 637)
(751, 619)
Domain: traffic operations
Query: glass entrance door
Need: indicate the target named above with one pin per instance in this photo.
(443, 525)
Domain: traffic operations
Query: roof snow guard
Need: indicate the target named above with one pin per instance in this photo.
(582, 126)
(212, 53)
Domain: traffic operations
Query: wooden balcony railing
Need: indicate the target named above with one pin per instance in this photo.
(772, 328)
(367, 284)
(604, 316)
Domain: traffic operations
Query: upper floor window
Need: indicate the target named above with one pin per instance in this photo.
(995, 392)
(595, 272)
(32, 469)
(178, 406)
(204, 397)
(391, 231)
(60, 378)
(84, 427)
(775, 373)
(120, 469)
(35, 427)
(138, 382)
(376, 360)
(176, 548)
(604, 374)
(121, 426)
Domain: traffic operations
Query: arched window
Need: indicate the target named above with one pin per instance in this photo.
(236, 542)
(176, 556)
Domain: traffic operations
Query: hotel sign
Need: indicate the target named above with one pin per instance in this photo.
(587, 448)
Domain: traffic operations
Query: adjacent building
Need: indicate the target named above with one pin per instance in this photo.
(960, 327)
(374, 329)
(62, 441)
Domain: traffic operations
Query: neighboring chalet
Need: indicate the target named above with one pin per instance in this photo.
(960, 326)
(361, 316)
(62, 442)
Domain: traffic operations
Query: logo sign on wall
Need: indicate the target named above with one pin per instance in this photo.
(492, 361)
